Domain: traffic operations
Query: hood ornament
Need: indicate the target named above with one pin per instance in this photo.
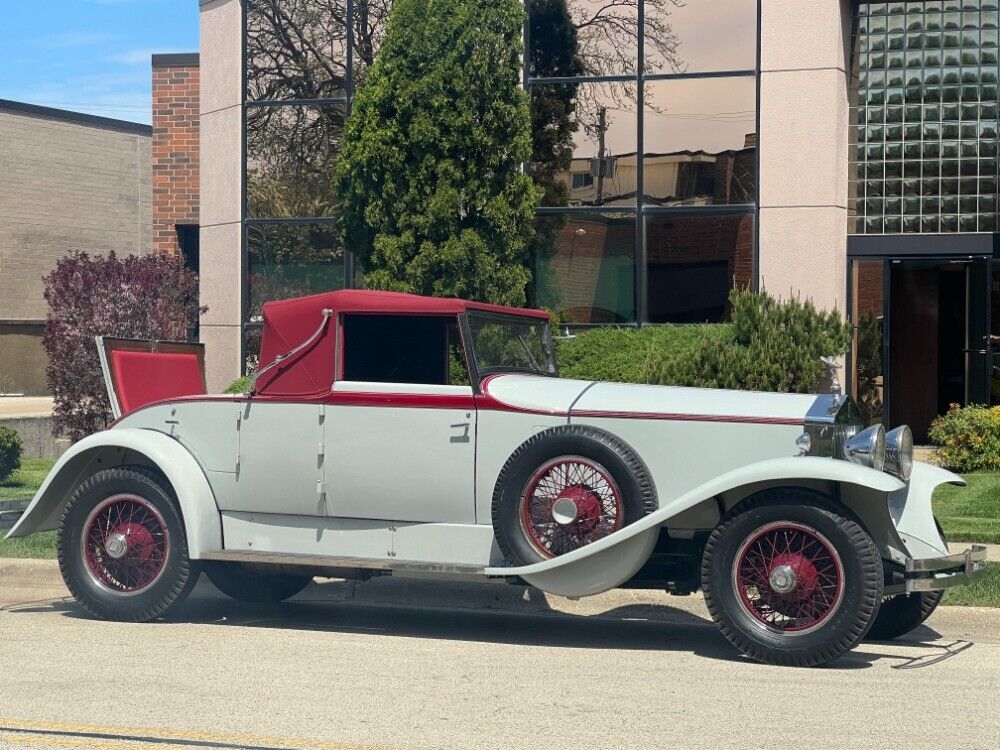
(833, 374)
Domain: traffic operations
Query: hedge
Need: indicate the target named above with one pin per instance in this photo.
(628, 355)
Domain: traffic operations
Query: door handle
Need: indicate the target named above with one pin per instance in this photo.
(464, 437)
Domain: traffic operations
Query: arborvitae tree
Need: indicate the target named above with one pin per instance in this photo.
(433, 197)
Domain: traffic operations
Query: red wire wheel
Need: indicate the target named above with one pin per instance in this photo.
(789, 578)
(125, 544)
(568, 503)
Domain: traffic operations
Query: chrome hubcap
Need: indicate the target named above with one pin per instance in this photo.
(116, 546)
(782, 579)
(564, 511)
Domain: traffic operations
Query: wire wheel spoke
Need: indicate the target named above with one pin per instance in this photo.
(570, 502)
(125, 544)
(788, 577)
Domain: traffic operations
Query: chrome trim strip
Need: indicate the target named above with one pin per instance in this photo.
(116, 409)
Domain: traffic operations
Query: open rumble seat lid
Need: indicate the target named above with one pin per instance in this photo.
(289, 323)
(138, 372)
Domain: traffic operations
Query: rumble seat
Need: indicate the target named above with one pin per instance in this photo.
(138, 373)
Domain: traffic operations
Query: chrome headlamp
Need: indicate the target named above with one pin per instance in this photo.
(899, 452)
(867, 447)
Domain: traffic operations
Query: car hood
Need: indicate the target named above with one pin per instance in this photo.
(597, 399)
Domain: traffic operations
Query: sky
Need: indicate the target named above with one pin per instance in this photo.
(90, 56)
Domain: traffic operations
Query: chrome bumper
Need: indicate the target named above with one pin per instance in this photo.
(936, 573)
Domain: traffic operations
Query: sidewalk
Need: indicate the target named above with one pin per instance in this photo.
(19, 407)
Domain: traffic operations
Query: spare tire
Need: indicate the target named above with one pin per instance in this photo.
(567, 487)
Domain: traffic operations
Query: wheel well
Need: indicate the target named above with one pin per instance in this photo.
(84, 465)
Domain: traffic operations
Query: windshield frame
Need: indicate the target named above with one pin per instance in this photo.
(468, 336)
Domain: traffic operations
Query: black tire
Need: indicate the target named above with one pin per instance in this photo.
(100, 582)
(250, 584)
(903, 613)
(615, 457)
(851, 606)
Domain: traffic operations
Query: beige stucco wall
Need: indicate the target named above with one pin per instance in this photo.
(804, 149)
(221, 188)
(64, 186)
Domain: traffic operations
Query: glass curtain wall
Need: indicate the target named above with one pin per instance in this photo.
(924, 120)
(644, 117)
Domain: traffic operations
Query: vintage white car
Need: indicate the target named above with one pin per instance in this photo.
(394, 434)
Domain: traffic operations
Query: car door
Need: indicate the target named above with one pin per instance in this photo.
(400, 427)
(280, 463)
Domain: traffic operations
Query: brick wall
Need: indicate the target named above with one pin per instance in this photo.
(175, 149)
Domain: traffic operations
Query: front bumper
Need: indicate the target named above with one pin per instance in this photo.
(937, 573)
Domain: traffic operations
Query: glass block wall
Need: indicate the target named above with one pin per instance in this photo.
(924, 120)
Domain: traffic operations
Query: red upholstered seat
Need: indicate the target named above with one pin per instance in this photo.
(142, 377)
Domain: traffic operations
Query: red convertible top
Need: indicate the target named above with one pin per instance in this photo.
(288, 323)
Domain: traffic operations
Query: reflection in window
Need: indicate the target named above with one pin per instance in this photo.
(291, 152)
(700, 144)
(605, 33)
(867, 316)
(585, 268)
(600, 141)
(701, 35)
(290, 261)
(296, 49)
(693, 262)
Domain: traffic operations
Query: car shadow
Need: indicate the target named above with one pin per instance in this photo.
(641, 626)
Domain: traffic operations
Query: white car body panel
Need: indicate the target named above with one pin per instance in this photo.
(690, 404)
(913, 515)
(535, 393)
(401, 463)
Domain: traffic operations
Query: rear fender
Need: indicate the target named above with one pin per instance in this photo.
(129, 446)
(611, 561)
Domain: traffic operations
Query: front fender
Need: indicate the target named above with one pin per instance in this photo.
(110, 448)
(611, 561)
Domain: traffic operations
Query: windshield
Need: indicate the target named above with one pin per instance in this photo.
(512, 345)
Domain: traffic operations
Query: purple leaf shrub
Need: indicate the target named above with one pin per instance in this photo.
(148, 297)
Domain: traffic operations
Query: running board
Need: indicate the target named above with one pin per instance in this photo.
(412, 567)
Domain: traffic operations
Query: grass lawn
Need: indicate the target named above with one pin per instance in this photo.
(24, 483)
(972, 513)
(983, 593)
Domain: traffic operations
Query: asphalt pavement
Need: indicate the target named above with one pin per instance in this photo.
(407, 665)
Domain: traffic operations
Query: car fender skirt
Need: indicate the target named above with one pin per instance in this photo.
(108, 449)
(609, 562)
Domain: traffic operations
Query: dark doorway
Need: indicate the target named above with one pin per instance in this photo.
(927, 335)
(187, 239)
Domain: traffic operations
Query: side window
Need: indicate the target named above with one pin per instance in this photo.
(420, 349)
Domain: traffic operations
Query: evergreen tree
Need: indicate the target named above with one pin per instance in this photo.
(433, 198)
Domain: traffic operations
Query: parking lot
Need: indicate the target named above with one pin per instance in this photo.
(409, 665)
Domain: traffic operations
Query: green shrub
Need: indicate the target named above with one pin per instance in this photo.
(776, 346)
(969, 438)
(10, 452)
(627, 355)
(239, 385)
